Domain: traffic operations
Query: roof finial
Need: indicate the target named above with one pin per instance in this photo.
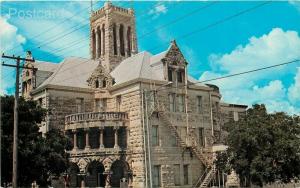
(91, 6)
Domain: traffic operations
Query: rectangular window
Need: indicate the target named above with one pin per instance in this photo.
(201, 136)
(118, 102)
(172, 102)
(156, 176)
(155, 138)
(186, 174)
(170, 74)
(173, 140)
(80, 105)
(151, 98)
(235, 116)
(40, 103)
(199, 104)
(180, 76)
(181, 104)
(177, 174)
(100, 105)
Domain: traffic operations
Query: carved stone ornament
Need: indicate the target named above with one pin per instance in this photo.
(82, 164)
(174, 57)
(101, 75)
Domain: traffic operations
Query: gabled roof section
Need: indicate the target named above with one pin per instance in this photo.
(137, 66)
(45, 66)
(72, 72)
(174, 55)
(147, 66)
(99, 71)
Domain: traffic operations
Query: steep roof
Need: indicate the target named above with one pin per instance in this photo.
(73, 72)
(137, 66)
(45, 66)
(145, 65)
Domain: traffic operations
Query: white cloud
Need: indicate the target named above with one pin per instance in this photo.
(157, 10)
(265, 86)
(55, 26)
(274, 90)
(9, 36)
(295, 3)
(294, 90)
(11, 42)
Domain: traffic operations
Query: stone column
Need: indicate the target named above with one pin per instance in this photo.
(118, 39)
(101, 145)
(82, 182)
(108, 178)
(87, 141)
(74, 139)
(125, 40)
(103, 33)
(127, 137)
(116, 137)
(97, 44)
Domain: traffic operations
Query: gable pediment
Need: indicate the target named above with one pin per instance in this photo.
(99, 75)
(174, 56)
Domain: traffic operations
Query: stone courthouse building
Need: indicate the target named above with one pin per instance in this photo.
(135, 119)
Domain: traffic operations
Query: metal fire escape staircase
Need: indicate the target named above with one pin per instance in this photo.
(205, 157)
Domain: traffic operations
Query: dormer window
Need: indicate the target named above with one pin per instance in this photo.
(99, 78)
(104, 83)
(170, 76)
(180, 76)
(97, 84)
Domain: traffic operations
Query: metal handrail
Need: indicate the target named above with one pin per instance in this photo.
(201, 177)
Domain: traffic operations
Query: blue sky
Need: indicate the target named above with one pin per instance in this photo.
(262, 37)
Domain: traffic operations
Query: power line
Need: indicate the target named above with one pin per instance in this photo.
(179, 19)
(167, 24)
(74, 31)
(195, 31)
(237, 74)
(220, 21)
(53, 26)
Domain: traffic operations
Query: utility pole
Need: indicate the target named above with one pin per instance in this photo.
(16, 108)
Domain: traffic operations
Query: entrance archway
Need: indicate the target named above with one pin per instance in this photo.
(74, 180)
(119, 170)
(95, 177)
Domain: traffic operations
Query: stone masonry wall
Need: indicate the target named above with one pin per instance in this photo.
(131, 103)
(166, 154)
(62, 103)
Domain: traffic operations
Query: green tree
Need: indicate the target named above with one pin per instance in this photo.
(38, 156)
(263, 147)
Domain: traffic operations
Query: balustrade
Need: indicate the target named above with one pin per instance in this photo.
(86, 142)
(95, 116)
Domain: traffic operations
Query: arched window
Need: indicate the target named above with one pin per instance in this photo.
(27, 73)
(104, 83)
(121, 34)
(97, 84)
(99, 41)
(93, 44)
(129, 41)
(115, 39)
(103, 39)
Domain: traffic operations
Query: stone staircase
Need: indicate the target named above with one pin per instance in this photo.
(205, 158)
